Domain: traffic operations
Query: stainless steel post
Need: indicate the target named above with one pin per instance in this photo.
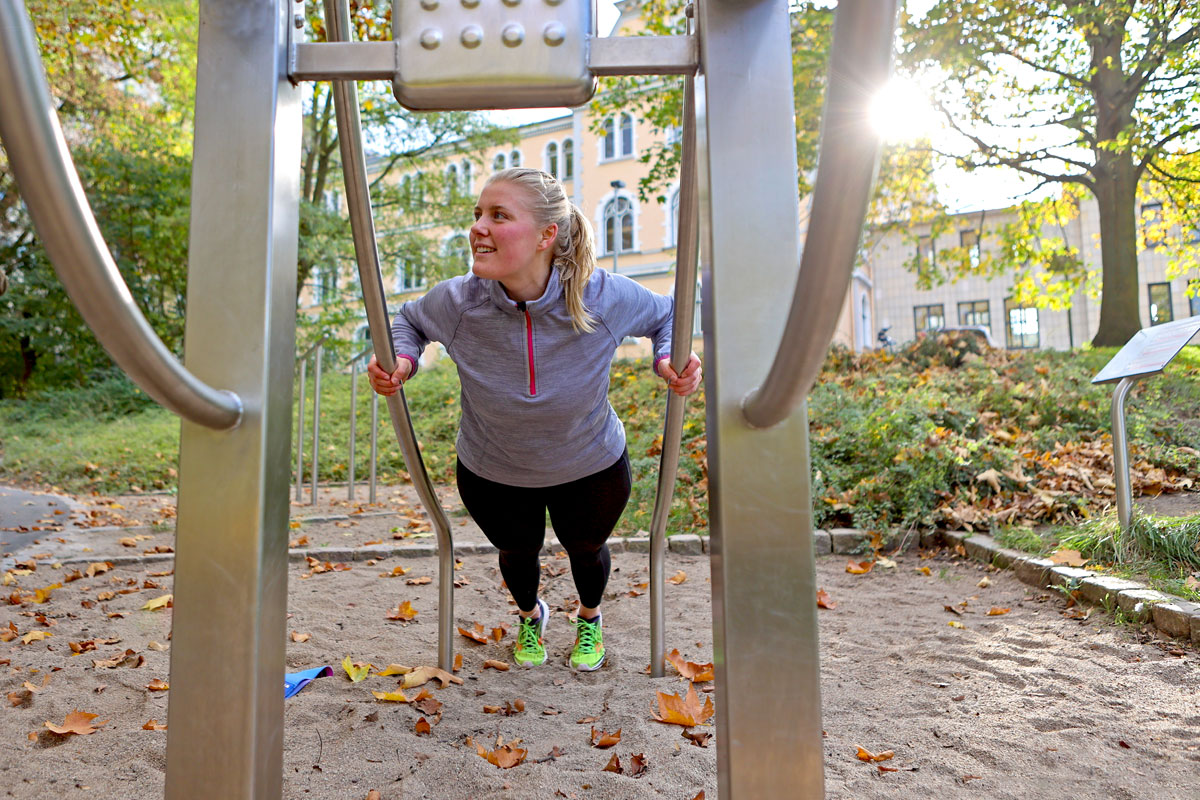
(1120, 443)
(686, 252)
(316, 439)
(358, 198)
(300, 431)
(374, 443)
(225, 737)
(763, 573)
(353, 419)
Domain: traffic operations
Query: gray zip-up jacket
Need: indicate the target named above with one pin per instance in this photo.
(535, 409)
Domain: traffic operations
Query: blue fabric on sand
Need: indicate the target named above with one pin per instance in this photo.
(295, 681)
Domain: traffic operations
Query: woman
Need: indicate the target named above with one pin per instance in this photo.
(533, 330)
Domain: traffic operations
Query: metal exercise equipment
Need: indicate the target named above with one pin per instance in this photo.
(313, 353)
(231, 540)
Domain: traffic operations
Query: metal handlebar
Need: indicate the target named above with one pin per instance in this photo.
(50, 187)
(358, 198)
(860, 64)
(686, 257)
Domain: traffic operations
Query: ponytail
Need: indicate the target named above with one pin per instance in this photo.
(574, 248)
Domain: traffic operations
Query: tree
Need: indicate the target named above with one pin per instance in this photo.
(1094, 96)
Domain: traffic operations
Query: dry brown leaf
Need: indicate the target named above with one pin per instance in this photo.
(698, 738)
(500, 632)
(497, 665)
(394, 669)
(604, 739)
(678, 578)
(637, 765)
(868, 756)
(129, 658)
(506, 756)
(685, 711)
(154, 725)
(77, 722)
(476, 635)
(21, 697)
(391, 697)
(457, 661)
(157, 685)
(996, 611)
(374, 795)
(419, 581)
(35, 636)
(423, 728)
(403, 612)
(159, 646)
(614, 765)
(300, 637)
(824, 600)
(1070, 558)
(422, 675)
(696, 673)
(859, 567)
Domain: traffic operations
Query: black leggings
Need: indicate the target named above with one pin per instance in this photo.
(583, 513)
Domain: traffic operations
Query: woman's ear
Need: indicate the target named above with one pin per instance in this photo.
(549, 236)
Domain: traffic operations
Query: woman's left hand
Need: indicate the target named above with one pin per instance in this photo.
(682, 383)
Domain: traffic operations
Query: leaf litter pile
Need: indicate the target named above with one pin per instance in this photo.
(1019, 690)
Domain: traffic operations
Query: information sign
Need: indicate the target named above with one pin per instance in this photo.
(1149, 351)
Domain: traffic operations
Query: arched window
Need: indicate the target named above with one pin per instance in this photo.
(458, 250)
(467, 176)
(626, 135)
(610, 139)
(618, 225)
(552, 159)
(499, 162)
(514, 159)
(568, 160)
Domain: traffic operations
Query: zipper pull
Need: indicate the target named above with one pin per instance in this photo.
(520, 305)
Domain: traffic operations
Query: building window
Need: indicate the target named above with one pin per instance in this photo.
(926, 255)
(499, 162)
(1160, 303)
(929, 318)
(975, 312)
(458, 250)
(1022, 331)
(568, 158)
(514, 159)
(409, 277)
(452, 184)
(1151, 222)
(326, 285)
(609, 141)
(618, 225)
(969, 241)
(626, 135)
(467, 177)
(552, 159)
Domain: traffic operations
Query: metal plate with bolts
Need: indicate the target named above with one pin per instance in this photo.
(481, 54)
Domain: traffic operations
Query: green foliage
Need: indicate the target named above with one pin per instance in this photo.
(1170, 541)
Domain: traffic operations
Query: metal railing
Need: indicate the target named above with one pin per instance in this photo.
(315, 354)
(50, 187)
(355, 364)
(358, 199)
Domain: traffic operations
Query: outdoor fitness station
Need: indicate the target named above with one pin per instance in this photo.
(739, 215)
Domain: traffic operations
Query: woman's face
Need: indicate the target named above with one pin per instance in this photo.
(506, 241)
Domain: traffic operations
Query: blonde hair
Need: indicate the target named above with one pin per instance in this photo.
(574, 249)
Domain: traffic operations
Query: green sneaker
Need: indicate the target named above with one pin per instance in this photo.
(588, 654)
(529, 650)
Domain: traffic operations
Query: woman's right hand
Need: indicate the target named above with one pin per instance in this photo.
(385, 384)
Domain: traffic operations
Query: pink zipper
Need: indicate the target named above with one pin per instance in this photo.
(529, 346)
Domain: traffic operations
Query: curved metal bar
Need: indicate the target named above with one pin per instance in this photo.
(686, 258)
(859, 66)
(50, 187)
(358, 197)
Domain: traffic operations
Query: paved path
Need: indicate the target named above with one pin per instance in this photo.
(22, 509)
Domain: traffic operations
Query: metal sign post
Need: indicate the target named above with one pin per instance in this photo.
(1147, 353)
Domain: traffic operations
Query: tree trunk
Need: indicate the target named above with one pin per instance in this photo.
(1116, 195)
(1116, 187)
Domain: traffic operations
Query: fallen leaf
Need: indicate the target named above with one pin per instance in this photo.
(77, 722)
(882, 768)
(9, 633)
(457, 661)
(374, 795)
(423, 727)
(614, 765)
(1070, 558)
(35, 636)
(884, 561)
(129, 658)
(165, 601)
(21, 697)
(925, 570)
(476, 635)
(395, 573)
(157, 685)
(991, 477)
(824, 600)
(419, 581)
(500, 632)
(996, 611)
(605, 739)
(984, 582)
(403, 612)
(154, 725)
(160, 647)
(422, 675)
(955, 624)
(427, 702)
(637, 765)
(506, 756)
(868, 756)
(696, 673)
(97, 568)
(300, 637)
(698, 738)
(859, 567)
(685, 711)
(678, 578)
(394, 669)
(497, 665)
(391, 697)
(355, 671)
